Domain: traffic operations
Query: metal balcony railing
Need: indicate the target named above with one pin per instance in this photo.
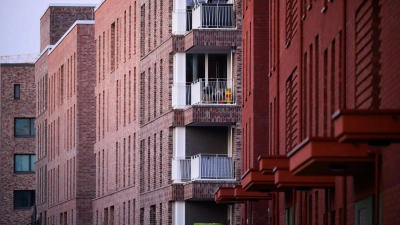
(212, 91)
(204, 91)
(203, 166)
(209, 15)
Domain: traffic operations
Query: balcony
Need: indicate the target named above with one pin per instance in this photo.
(209, 15)
(236, 194)
(377, 128)
(205, 92)
(203, 167)
(325, 156)
(212, 91)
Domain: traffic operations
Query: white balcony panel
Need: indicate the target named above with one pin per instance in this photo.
(181, 171)
(206, 15)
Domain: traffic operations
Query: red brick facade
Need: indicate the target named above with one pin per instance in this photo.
(255, 109)
(328, 60)
(12, 107)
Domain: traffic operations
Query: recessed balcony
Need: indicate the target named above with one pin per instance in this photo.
(375, 127)
(203, 167)
(326, 156)
(203, 79)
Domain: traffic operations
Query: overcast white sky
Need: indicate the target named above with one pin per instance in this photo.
(20, 22)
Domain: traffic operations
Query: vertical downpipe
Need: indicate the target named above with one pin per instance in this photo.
(377, 178)
(343, 106)
(300, 68)
(344, 35)
(344, 196)
(294, 207)
(300, 200)
(277, 76)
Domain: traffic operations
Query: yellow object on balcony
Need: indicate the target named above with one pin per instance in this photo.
(228, 96)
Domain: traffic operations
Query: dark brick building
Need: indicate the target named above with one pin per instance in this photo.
(17, 142)
(333, 113)
(65, 116)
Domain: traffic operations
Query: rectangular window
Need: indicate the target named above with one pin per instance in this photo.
(17, 91)
(24, 127)
(288, 216)
(24, 199)
(24, 163)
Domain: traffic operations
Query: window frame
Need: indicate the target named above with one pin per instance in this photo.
(30, 126)
(31, 199)
(17, 91)
(31, 164)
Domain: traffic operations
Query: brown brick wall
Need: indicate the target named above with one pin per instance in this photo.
(58, 19)
(71, 125)
(11, 74)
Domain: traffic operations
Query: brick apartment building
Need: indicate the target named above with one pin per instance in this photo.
(168, 111)
(138, 120)
(17, 142)
(65, 115)
(333, 113)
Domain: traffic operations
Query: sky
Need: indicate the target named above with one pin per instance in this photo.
(20, 24)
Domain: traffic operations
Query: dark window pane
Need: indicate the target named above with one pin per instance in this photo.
(32, 163)
(16, 91)
(33, 132)
(24, 199)
(195, 67)
(21, 163)
(22, 127)
(217, 66)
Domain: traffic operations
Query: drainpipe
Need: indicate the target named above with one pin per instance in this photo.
(277, 209)
(344, 196)
(343, 96)
(277, 78)
(343, 47)
(377, 179)
(300, 66)
(294, 207)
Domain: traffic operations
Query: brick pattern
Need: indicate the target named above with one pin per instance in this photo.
(254, 119)
(58, 19)
(24, 75)
(71, 120)
(338, 67)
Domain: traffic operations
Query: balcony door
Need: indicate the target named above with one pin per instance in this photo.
(206, 67)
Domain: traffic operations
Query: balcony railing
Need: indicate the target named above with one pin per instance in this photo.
(203, 166)
(204, 91)
(209, 15)
(212, 91)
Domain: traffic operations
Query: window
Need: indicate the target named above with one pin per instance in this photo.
(24, 199)
(24, 127)
(288, 216)
(17, 91)
(24, 163)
